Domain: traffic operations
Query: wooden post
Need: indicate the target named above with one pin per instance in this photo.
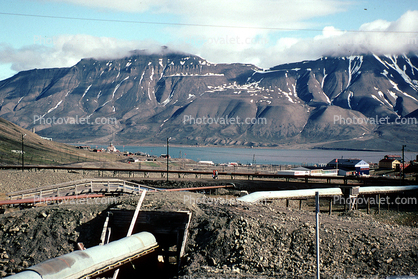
(378, 204)
(397, 204)
(330, 206)
(103, 236)
(368, 205)
(133, 222)
(287, 203)
(300, 204)
(387, 203)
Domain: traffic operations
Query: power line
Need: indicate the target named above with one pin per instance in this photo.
(200, 25)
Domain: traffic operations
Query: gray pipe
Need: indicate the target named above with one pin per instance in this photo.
(83, 263)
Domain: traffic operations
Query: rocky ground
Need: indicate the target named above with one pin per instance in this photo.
(226, 239)
(16, 180)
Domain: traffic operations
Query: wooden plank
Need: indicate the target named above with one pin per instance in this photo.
(133, 222)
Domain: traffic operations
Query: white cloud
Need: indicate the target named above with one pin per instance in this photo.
(246, 45)
(236, 12)
(67, 50)
(379, 37)
(119, 5)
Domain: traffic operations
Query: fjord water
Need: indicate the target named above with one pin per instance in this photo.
(261, 156)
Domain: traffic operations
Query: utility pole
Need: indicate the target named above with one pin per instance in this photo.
(403, 165)
(23, 153)
(167, 155)
(318, 260)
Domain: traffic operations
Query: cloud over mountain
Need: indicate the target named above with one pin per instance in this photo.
(257, 32)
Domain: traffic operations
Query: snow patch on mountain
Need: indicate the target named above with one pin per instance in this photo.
(52, 109)
(350, 96)
(117, 87)
(85, 92)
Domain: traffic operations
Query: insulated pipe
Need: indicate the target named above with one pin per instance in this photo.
(386, 189)
(199, 188)
(263, 195)
(92, 261)
(323, 192)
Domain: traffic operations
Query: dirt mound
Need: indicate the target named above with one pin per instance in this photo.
(31, 236)
(270, 241)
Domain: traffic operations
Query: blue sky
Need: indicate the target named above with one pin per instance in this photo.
(58, 33)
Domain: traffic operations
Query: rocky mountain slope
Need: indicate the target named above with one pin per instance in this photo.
(149, 97)
(37, 150)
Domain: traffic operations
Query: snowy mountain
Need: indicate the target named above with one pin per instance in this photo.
(155, 96)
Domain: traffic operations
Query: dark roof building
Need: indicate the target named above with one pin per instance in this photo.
(360, 166)
(389, 164)
(393, 157)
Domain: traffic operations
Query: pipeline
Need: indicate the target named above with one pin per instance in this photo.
(50, 199)
(230, 185)
(323, 192)
(93, 261)
(267, 195)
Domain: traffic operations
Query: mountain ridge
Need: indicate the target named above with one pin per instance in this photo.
(151, 95)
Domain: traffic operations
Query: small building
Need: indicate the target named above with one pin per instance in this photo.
(389, 164)
(111, 148)
(300, 171)
(403, 166)
(345, 172)
(206, 162)
(323, 171)
(360, 167)
(393, 157)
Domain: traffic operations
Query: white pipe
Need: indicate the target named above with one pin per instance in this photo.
(263, 195)
(324, 192)
(386, 189)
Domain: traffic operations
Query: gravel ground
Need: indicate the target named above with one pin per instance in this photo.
(15, 180)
